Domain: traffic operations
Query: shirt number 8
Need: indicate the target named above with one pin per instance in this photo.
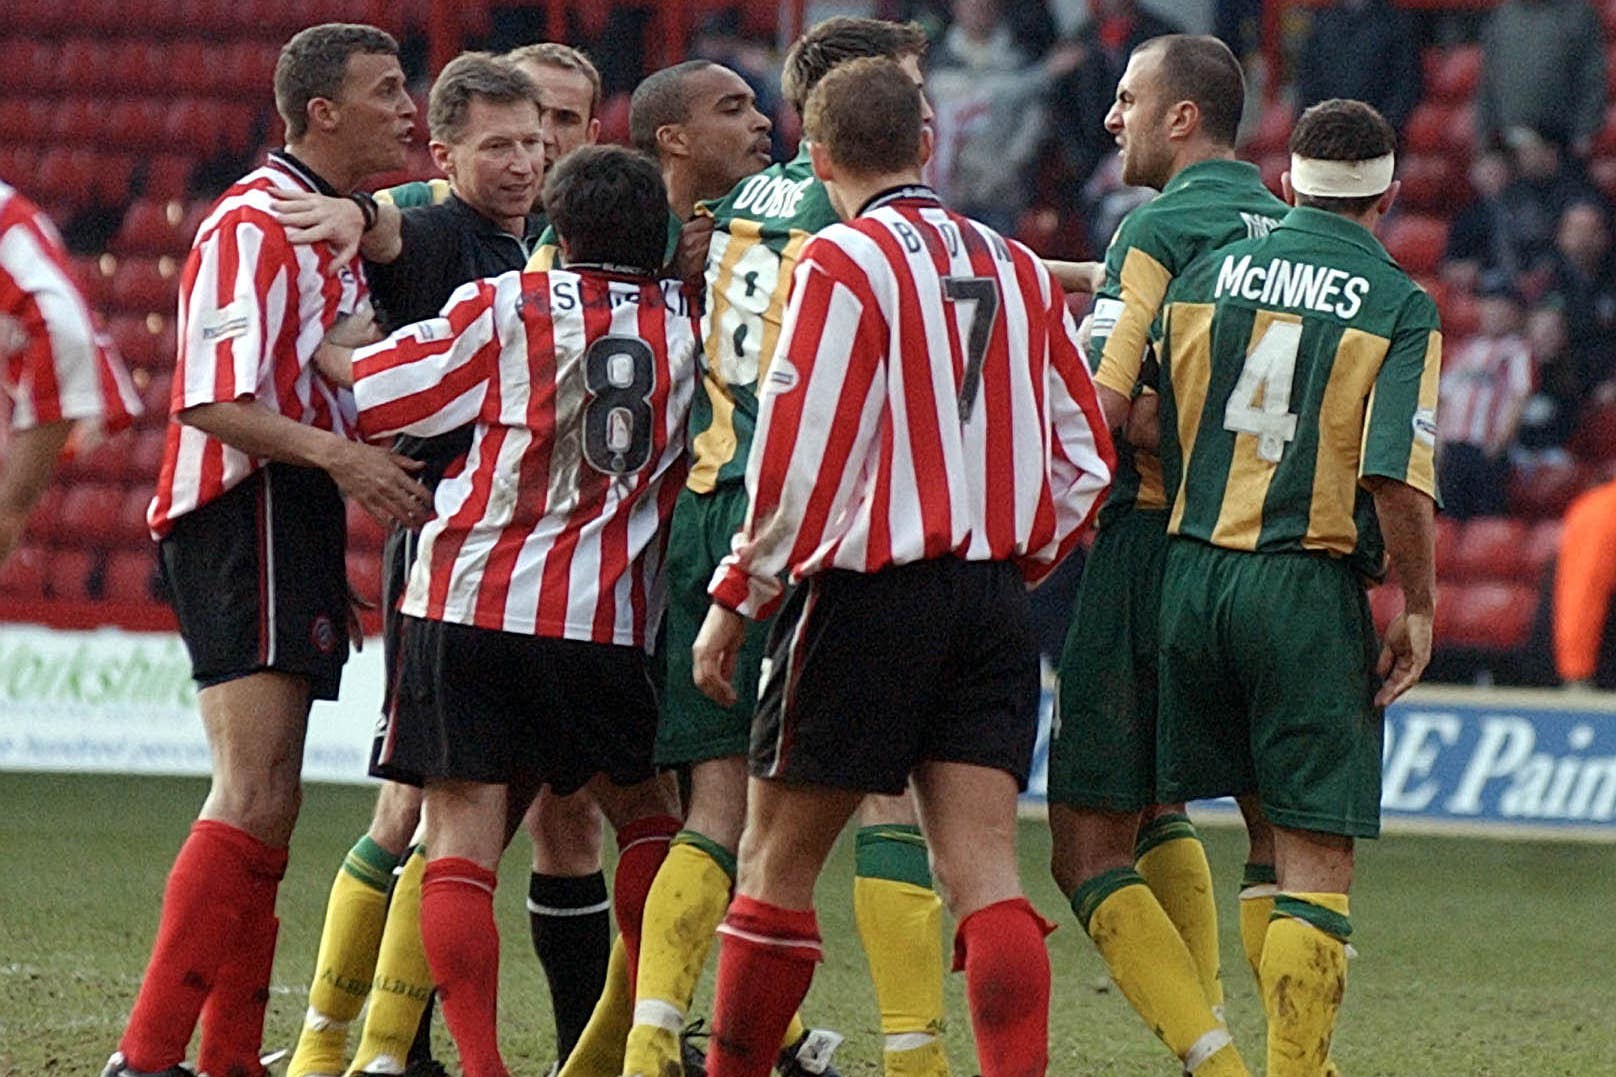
(620, 374)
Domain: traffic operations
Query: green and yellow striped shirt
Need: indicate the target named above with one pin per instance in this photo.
(1292, 367)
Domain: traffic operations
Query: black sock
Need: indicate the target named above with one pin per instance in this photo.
(421, 1049)
(570, 917)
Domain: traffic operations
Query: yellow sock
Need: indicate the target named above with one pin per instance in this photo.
(1304, 976)
(1173, 862)
(599, 1050)
(795, 1031)
(1154, 969)
(899, 919)
(1257, 892)
(403, 983)
(687, 902)
(354, 915)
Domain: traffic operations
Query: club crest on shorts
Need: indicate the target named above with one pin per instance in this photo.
(324, 635)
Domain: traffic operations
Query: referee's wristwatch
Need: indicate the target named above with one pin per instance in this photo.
(367, 207)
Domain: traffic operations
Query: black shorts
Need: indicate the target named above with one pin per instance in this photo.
(398, 554)
(481, 705)
(869, 675)
(258, 579)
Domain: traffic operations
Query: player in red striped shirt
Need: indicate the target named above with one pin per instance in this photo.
(56, 369)
(534, 598)
(251, 524)
(928, 445)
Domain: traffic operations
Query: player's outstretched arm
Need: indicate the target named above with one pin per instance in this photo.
(317, 218)
(1408, 522)
(1084, 277)
(25, 472)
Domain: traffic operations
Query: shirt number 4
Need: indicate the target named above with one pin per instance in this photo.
(1269, 370)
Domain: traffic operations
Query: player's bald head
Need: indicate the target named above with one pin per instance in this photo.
(1201, 69)
(662, 98)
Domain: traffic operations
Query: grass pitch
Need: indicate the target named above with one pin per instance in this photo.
(1477, 957)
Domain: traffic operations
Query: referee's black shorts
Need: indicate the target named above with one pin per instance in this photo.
(868, 675)
(258, 579)
(481, 705)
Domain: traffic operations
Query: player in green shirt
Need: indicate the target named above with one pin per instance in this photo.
(1133, 867)
(758, 228)
(1296, 370)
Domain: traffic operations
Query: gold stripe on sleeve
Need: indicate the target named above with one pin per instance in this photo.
(1422, 455)
(1144, 284)
(1330, 524)
(715, 446)
(1190, 326)
(1240, 519)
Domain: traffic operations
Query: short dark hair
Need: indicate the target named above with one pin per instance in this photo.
(609, 205)
(474, 76)
(866, 113)
(661, 98)
(837, 40)
(555, 54)
(314, 63)
(1200, 68)
(1342, 130)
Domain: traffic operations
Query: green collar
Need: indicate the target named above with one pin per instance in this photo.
(1321, 222)
(1216, 168)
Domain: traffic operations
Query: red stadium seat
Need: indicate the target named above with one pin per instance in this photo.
(365, 575)
(87, 64)
(113, 175)
(66, 176)
(1543, 545)
(614, 118)
(1595, 438)
(89, 515)
(145, 285)
(1492, 616)
(1273, 131)
(93, 284)
(1431, 182)
(154, 396)
(131, 576)
(132, 530)
(1490, 549)
(151, 227)
(364, 533)
(18, 160)
(1452, 75)
(104, 463)
(195, 123)
(136, 123)
(69, 575)
(28, 64)
(1416, 241)
(135, 341)
(43, 520)
(168, 176)
(1447, 538)
(22, 577)
(147, 67)
(1461, 316)
(1545, 489)
(1435, 127)
(1385, 602)
(147, 455)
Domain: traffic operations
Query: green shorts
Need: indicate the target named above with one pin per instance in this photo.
(693, 728)
(1102, 751)
(1267, 686)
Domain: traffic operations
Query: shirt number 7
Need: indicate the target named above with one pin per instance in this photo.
(983, 295)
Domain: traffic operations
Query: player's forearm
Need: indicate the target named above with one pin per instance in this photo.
(384, 241)
(1408, 525)
(255, 430)
(25, 472)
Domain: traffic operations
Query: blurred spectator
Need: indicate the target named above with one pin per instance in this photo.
(1481, 236)
(1363, 49)
(1584, 580)
(719, 38)
(1082, 98)
(1550, 415)
(989, 97)
(1107, 199)
(1580, 274)
(1486, 382)
(1539, 194)
(1543, 67)
(1029, 21)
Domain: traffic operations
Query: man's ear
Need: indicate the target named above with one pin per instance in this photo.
(1285, 187)
(928, 145)
(441, 157)
(819, 157)
(1384, 206)
(322, 114)
(1183, 120)
(593, 132)
(672, 141)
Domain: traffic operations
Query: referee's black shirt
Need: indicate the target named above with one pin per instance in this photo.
(443, 246)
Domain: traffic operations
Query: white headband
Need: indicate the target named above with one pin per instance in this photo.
(1341, 179)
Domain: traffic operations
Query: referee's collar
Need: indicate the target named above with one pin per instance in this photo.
(287, 160)
(903, 192)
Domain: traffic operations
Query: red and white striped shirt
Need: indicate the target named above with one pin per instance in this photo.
(1485, 380)
(54, 365)
(579, 382)
(253, 309)
(928, 400)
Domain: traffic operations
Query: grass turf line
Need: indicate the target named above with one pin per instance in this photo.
(1478, 957)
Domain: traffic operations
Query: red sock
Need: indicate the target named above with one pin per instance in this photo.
(765, 965)
(233, 1016)
(211, 879)
(462, 949)
(641, 847)
(1001, 948)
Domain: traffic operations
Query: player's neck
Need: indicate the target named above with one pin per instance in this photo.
(855, 192)
(1196, 153)
(328, 162)
(682, 192)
